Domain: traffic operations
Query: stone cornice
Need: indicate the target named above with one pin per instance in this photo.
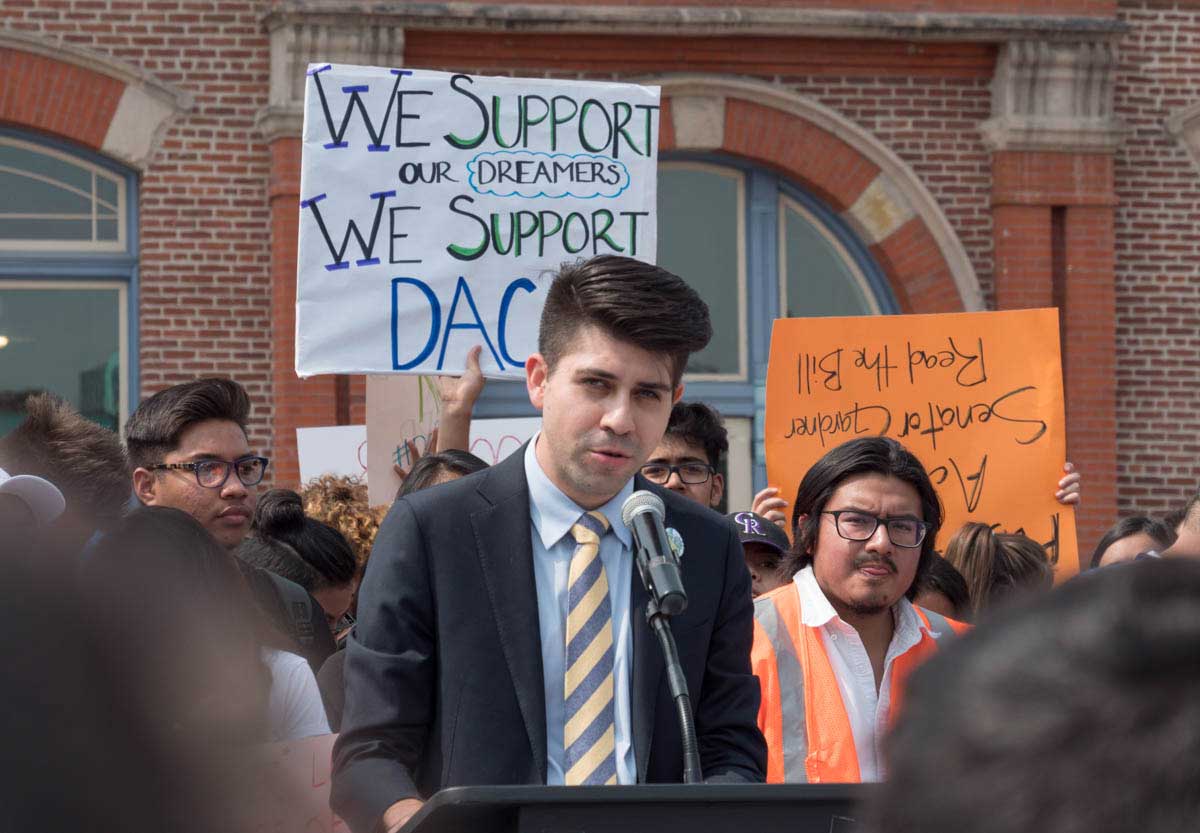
(700, 21)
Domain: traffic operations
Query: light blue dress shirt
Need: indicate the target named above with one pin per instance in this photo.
(551, 516)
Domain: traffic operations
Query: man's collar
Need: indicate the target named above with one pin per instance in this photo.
(553, 513)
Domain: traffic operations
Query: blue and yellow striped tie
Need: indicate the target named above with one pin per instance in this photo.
(589, 735)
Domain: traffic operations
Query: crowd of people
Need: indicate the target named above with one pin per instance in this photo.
(489, 628)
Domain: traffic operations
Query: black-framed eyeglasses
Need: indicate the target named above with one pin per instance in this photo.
(212, 474)
(690, 473)
(903, 531)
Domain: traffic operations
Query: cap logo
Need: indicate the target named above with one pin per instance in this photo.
(749, 523)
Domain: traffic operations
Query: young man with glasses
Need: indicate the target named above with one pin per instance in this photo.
(833, 647)
(188, 449)
(686, 458)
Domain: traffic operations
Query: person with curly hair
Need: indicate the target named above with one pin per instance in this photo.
(341, 502)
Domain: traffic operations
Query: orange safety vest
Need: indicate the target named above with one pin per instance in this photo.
(808, 734)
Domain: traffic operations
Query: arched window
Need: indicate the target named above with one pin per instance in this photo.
(757, 247)
(68, 271)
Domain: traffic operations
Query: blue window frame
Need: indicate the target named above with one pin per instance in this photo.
(758, 247)
(68, 278)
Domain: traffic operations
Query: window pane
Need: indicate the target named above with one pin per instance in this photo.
(821, 278)
(26, 195)
(61, 340)
(48, 166)
(13, 228)
(699, 227)
(106, 229)
(106, 190)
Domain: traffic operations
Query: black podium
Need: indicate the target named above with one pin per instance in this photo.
(654, 808)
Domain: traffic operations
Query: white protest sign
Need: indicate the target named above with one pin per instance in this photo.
(340, 450)
(494, 439)
(435, 205)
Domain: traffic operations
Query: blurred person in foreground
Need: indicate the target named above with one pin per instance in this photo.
(103, 727)
(178, 605)
(188, 450)
(998, 567)
(495, 641)
(1130, 537)
(833, 647)
(1075, 712)
(27, 504)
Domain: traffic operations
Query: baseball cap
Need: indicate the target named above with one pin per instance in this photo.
(41, 496)
(755, 529)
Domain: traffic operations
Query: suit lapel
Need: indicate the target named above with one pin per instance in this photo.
(505, 549)
(647, 667)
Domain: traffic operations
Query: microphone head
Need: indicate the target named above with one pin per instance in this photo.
(642, 501)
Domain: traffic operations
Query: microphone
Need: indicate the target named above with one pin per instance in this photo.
(643, 512)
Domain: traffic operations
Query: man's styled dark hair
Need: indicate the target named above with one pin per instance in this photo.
(431, 467)
(280, 516)
(83, 459)
(944, 578)
(1163, 535)
(697, 424)
(1072, 713)
(153, 430)
(868, 455)
(632, 301)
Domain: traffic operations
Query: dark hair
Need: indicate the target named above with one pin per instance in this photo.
(632, 301)
(432, 467)
(280, 516)
(153, 430)
(1175, 517)
(998, 565)
(280, 559)
(942, 577)
(1163, 535)
(697, 424)
(1073, 713)
(867, 455)
(83, 459)
(1191, 513)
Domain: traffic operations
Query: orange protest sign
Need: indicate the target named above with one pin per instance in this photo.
(977, 396)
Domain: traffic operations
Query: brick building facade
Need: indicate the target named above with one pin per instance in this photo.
(988, 155)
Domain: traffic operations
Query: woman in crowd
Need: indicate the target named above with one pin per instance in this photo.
(317, 557)
(997, 566)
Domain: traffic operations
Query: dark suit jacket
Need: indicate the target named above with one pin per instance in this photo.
(444, 671)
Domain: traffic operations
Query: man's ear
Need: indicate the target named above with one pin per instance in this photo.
(537, 372)
(678, 394)
(796, 530)
(718, 490)
(145, 486)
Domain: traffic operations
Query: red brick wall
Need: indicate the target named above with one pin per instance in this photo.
(1158, 262)
(205, 225)
(1048, 7)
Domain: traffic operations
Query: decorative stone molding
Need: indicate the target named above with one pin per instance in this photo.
(699, 121)
(731, 19)
(298, 40)
(1184, 125)
(1054, 96)
(897, 194)
(147, 106)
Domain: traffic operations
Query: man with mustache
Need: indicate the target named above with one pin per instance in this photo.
(832, 648)
(502, 636)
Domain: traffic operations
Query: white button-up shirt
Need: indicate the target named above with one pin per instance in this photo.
(866, 706)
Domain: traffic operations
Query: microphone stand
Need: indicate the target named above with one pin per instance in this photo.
(659, 623)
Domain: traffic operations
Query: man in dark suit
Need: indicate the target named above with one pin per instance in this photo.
(501, 635)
